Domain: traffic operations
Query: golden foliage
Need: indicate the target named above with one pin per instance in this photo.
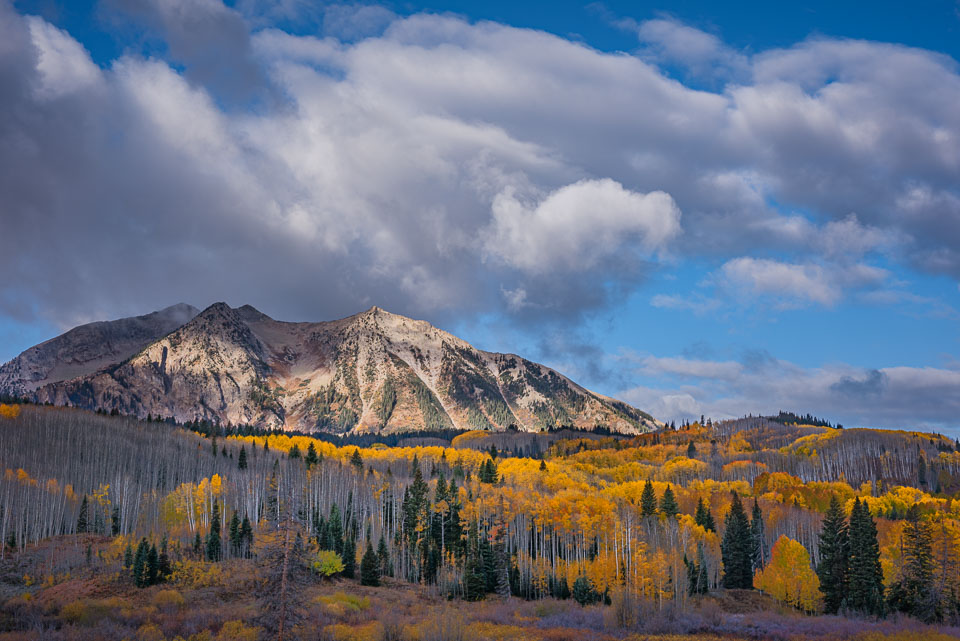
(788, 576)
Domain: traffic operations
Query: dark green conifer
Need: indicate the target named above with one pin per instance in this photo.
(668, 503)
(369, 567)
(242, 458)
(83, 518)
(311, 458)
(736, 548)
(758, 538)
(703, 517)
(834, 568)
(865, 576)
(356, 460)
(648, 500)
(214, 549)
(912, 591)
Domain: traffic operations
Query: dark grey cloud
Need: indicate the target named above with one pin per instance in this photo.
(210, 40)
(870, 385)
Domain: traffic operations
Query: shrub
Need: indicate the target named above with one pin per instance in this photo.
(328, 563)
(237, 631)
(167, 600)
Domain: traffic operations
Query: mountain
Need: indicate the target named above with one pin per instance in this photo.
(373, 371)
(88, 348)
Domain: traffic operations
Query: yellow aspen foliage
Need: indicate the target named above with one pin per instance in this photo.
(788, 576)
(9, 411)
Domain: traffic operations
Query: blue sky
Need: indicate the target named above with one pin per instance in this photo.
(701, 208)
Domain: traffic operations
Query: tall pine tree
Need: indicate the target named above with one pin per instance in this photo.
(834, 557)
(736, 548)
(214, 549)
(912, 592)
(648, 500)
(865, 578)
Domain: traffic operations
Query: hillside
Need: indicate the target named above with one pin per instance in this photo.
(371, 372)
(559, 546)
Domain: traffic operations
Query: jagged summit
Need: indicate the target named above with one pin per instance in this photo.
(373, 371)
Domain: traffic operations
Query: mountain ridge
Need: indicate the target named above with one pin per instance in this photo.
(370, 372)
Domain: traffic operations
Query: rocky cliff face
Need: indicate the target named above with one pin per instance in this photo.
(374, 371)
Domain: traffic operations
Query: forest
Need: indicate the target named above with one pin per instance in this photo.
(118, 528)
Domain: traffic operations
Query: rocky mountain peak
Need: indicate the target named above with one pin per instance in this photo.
(374, 371)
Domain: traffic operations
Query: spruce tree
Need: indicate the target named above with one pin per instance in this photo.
(691, 450)
(152, 568)
(163, 562)
(349, 557)
(736, 548)
(703, 517)
(83, 519)
(294, 452)
(214, 549)
(139, 566)
(758, 538)
(115, 521)
(127, 557)
(912, 592)
(648, 500)
(834, 568)
(246, 537)
(865, 577)
(369, 567)
(234, 534)
(356, 460)
(242, 458)
(311, 459)
(335, 530)
(583, 592)
(383, 558)
(668, 503)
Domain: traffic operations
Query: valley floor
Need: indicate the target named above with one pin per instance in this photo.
(217, 603)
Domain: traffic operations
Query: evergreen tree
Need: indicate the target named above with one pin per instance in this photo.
(865, 576)
(311, 458)
(648, 500)
(369, 567)
(335, 530)
(758, 538)
(234, 534)
(115, 521)
(127, 557)
(197, 544)
(139, 566)
(214, 549)
(152, 566)
(356, 460)
(163, 562)
(922, 472)
(349, 557)
(703, 517)
(912, 592)
(383, 558)
(82, 518)
(833, 569)
(668, 503)
(543, 466)
(583, 592)
(242, 458)
(691, 450)
(736, 548)
(246, 537)
(294, 452)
